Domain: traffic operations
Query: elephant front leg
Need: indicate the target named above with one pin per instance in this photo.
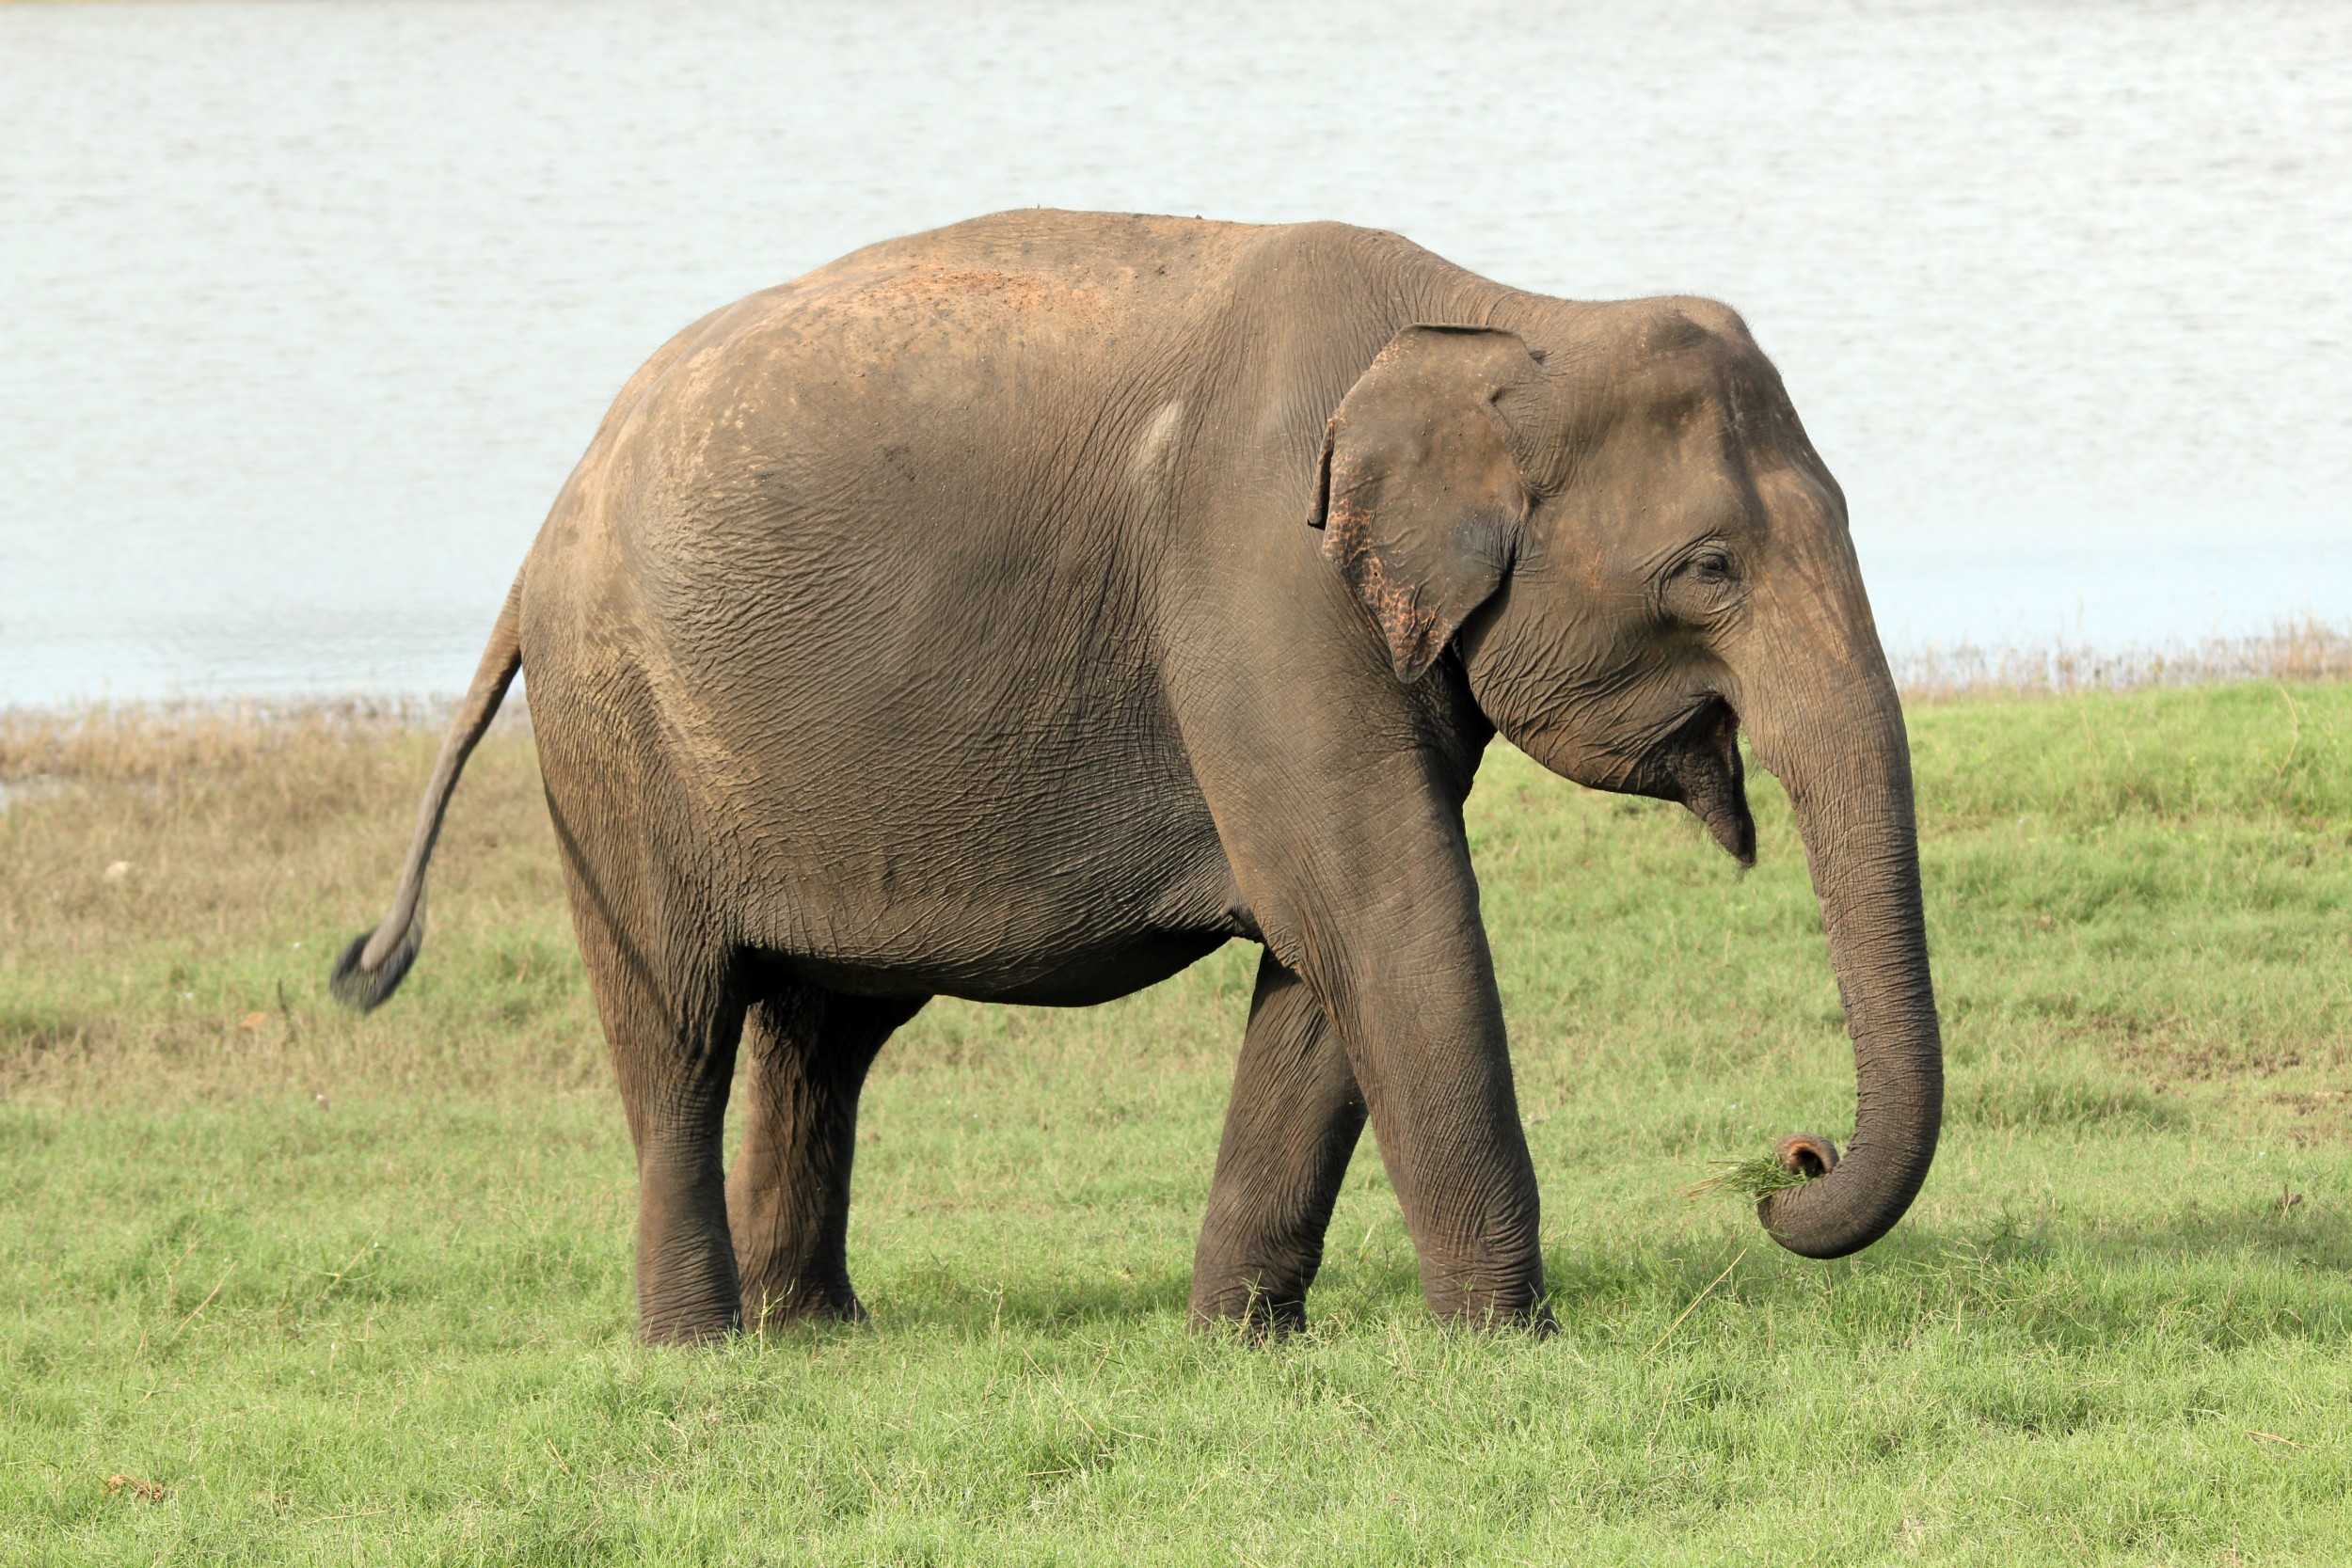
(1384, 929)
(788, 1196)
(1289, 1132)
(1449, 1132)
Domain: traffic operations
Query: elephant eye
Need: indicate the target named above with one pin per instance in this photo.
(1701, 585)
(1710, 565)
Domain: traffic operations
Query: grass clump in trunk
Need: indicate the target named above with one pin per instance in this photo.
(1754, 1178)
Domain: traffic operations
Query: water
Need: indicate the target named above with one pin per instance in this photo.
(307, 309)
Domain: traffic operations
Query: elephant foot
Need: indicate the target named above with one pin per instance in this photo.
(1537, 1320)
(687, 1324)
(1473, 1298)
(774, 1313)
(1249, 1311)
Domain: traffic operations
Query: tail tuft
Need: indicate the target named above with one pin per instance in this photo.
(356, 982)
(364, 989)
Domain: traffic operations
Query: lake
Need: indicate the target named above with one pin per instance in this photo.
(306, 310)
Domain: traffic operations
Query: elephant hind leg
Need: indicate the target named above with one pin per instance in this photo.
(1290, 1130)
(788, 1196)
(673, 1031)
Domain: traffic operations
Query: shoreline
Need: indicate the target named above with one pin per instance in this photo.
(2299, 651)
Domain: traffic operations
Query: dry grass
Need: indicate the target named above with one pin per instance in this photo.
(117, 743)
(168, 876)
(2302, 648)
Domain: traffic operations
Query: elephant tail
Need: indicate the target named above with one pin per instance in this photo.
(371, 968)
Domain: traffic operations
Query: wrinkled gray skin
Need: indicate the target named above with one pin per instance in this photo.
(1019, 612)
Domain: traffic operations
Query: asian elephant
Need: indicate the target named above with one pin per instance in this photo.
(1020, 610)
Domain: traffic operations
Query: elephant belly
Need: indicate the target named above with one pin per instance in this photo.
(1020, 934)
(1076, 976)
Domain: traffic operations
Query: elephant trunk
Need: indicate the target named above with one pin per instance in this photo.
(1846, 762)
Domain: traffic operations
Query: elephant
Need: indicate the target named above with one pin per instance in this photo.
(1021, 611)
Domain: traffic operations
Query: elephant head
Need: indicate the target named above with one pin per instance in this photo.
(1614, 516)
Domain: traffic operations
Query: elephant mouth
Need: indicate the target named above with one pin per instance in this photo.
(1699, 765)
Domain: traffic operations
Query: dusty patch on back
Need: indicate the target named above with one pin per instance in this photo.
(1010, 290)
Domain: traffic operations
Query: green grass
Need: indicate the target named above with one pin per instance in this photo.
(357, 1290)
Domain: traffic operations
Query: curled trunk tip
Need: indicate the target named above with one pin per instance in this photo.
(1845, 1205)
(1807, 1154)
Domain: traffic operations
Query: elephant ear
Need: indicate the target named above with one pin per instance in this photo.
(1421, 496)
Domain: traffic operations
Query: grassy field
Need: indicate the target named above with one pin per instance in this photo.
(281, 1285)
